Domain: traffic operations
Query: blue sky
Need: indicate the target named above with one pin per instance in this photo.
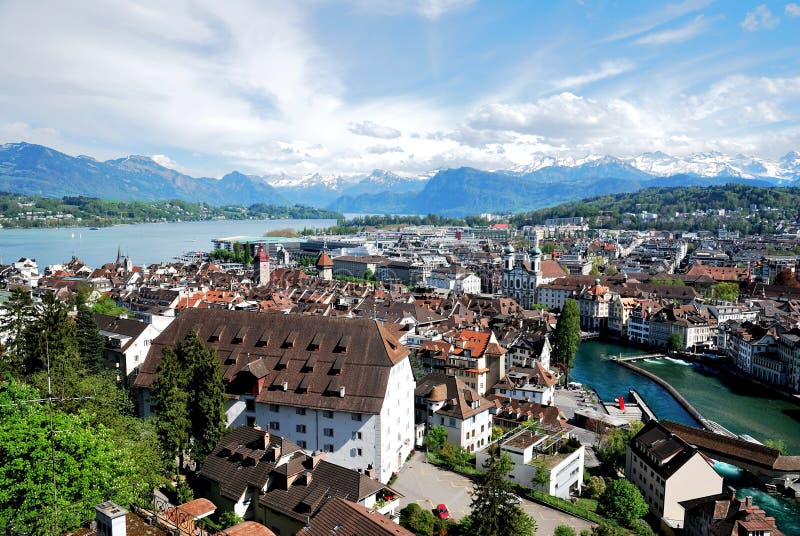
(346, 87)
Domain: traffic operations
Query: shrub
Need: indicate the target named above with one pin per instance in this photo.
(622, 502)
(564, 530)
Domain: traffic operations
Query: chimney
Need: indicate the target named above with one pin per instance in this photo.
(285, 386)
(748, 501)
(110, 519)
(341, 391)
(370, 472)
(266, 439)
(316, 457)
(276, 453)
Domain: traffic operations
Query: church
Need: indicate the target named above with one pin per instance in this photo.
(522, 273)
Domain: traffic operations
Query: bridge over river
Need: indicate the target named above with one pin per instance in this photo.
(753, 457)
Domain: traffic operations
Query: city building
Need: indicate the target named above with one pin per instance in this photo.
(725, 515)
(473, 356)
(448, 402)
(533, 451)
(339, 385)
(535, 384)
(668, 470)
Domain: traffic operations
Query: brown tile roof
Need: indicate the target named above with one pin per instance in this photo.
(303, 498)
(670, 452)
(438, 387)
(354, 354)
(245, 458)
(248, 528)
(735, 448)
(345, 518)
(198, 508)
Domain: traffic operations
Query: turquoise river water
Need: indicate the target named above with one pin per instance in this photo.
(738, 406)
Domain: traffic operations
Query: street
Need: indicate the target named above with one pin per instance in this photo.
(428, 485)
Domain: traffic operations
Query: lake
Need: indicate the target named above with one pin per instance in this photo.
(146, 243)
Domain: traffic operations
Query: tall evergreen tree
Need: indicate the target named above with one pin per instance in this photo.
(16, 314)
(568, 336)
(90, 342)
(171, 398)
(51, 336)
(207, 396)
(190, 396)
(494, 512)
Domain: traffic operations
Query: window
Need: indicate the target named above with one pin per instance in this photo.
(302, 444)
(300, 411)
(274, 425)
(327, 447)
(356, 417)
(251, 421)
(452, 422)
(250, 404)
(327, 414)
(356, 435)
(300, 428)
(327, 432)
(274, 408)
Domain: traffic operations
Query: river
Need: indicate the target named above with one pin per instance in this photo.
(732, 404)
(146, 243)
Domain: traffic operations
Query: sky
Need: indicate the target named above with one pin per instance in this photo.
(303, 87)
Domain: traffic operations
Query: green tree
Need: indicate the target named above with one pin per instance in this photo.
(417, 520)
(542, 478)
(675, 343)
(607, 530)
(82, 456)
(612, 447)
(568, 336)
(494, 512)
(173, 424)
(622, 501)
(208, 401)
(229, 519)
(640, 527)
(106, 306)
(16, 313)
(564, 530)
(190, 399)
(437, 437)
(90, 342)
(50, 337)
(369, 275)
(594, 487)
(726, 291)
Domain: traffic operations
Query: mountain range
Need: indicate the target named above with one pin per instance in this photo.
(37, 170)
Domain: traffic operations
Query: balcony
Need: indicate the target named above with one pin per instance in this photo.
(387, 502)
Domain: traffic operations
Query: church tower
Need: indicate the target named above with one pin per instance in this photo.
(261, 267)
(325, 265)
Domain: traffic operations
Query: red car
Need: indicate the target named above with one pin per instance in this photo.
(442, 512)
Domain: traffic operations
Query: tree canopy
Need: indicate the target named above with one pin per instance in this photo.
(494, 512)
(622, 501)
(568, 336)
(87, 464)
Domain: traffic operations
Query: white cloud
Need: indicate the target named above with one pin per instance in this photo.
(607, 70)
(368, 128)
(792, 10)
(383, 149)
(167, 162)
(761, 18)
(433, 9)
(651, 21)
(683, 33)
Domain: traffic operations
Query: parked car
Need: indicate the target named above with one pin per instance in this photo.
(442, 511)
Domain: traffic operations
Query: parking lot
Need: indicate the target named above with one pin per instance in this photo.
(427, 485)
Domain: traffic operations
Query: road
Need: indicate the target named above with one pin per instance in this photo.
(428, 485)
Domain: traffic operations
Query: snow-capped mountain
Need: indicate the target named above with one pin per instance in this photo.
(711, 164)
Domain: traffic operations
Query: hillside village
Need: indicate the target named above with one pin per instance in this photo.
(350, 362)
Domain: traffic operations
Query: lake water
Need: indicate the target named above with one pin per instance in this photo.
(146, 243)
(735, 405)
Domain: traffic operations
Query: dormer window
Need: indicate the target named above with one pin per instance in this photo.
(315, 343)
(290, 340)
(215, 336)
(239, 337)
